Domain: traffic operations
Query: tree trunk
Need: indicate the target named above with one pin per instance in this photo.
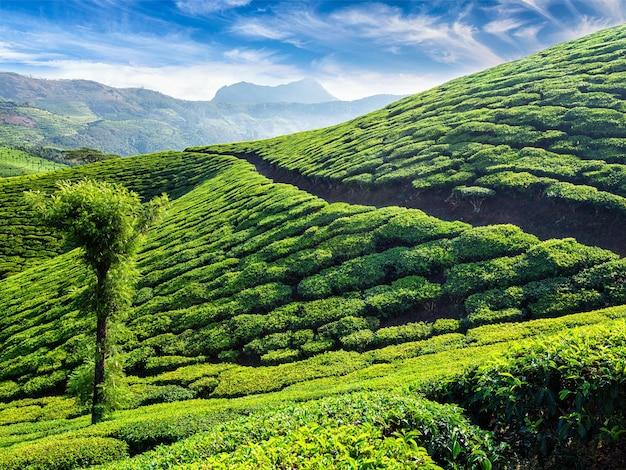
(97, 407)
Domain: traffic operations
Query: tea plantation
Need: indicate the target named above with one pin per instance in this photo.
(549, 127)
(15, 162)
(273, 329)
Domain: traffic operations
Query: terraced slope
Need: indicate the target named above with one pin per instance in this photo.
(545, 133)
(16, 163)
(25, 243)
(256, 289)
(251, 272)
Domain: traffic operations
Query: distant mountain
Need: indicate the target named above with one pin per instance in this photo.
(129, 121)
(303, 91)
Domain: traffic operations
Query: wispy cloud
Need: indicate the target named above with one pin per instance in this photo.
(384, 28)
(353, 47)
(503, 27)
(205, 7)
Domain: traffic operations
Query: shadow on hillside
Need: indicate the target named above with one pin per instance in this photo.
(546, 218)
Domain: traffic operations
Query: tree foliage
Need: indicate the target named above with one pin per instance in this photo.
(107, 221)
(87, 155)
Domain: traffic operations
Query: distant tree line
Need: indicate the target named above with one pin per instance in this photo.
(70, 157)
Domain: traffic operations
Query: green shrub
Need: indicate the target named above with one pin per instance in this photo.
(247, 326)
(63, 454)
(163, 363)
(563, 257)
(563, 303)
(446, 325)
(37, 386)
(342, 327)
(166, 394)
(269, 342)
(320, 312)
(143, 435)
(242, 381)
(8, 390)
(482, 243)
(280, 356)
(552, 397)
(402, 333)
(358, 340)
(413, 227)
(143, 295)
(204, 386)
(314, 287)
(402, 296)
(312, 348)
(264, 297)
(314, 446)
(485, 316)
(474, 194)
(307, 262)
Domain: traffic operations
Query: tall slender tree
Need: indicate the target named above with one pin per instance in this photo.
(107, 221)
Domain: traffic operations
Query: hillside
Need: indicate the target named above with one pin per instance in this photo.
(16, 163)
(80, 113)
(545, 133)
(271, 326)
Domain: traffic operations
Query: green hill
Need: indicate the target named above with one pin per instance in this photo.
(17, 163)
(128, 121)
(275, 329)
(544, 133)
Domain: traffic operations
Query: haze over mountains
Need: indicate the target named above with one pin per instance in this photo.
(306, 90)
(128, 121)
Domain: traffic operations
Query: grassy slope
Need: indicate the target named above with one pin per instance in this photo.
(550, 125)
(16, 163)
(246, 272)
(250, 271)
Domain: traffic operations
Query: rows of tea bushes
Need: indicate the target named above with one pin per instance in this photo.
(235, 431)
(256, 297)
(15, 162)
(384, 429)
(246, 271)
(556, 401)
(551, 125)
(25, 242)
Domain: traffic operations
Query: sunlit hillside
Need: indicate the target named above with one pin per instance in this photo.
(18, 163)
(271, 328)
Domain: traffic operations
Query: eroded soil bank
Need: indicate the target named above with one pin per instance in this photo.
(546, 218)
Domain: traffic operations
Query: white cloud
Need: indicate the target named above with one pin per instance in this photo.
(190, 82)
(351, 84)
(586, 25)
(365, 29)
(444, 41)
(256, 29)
(205, 7)
(613, 9)
(502, 27)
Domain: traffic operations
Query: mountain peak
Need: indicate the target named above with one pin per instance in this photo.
(307, 90)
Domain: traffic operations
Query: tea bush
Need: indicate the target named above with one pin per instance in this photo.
(64, 454)
(554, 396)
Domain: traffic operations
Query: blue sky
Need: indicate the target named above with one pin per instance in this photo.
(190, 48)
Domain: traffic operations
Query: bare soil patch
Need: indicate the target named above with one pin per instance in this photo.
(546, 218)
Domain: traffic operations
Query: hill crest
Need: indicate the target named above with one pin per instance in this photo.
(307, 91)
